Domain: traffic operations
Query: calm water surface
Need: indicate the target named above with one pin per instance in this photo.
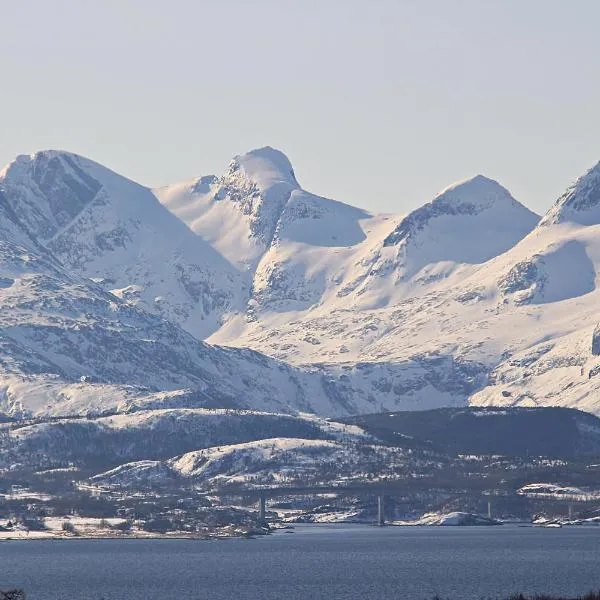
(314, 563)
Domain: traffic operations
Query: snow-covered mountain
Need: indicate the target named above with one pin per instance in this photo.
(469, 222)
(68, 346)
(114, 231)
(449, 304)
(110, 292)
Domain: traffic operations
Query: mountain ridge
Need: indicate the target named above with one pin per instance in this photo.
(372, 312)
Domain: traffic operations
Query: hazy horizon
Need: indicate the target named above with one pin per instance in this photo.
(380, 105)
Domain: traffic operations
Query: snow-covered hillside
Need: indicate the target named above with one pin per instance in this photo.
(469, 222)
(276, 461)
(580, 203)
(155, 434)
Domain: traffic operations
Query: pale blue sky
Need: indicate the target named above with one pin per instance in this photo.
(377, 103)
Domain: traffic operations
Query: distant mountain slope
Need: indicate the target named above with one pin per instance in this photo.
(469, 222)
(559, 432)
(444, 306)
(104, 442)
(330, 303)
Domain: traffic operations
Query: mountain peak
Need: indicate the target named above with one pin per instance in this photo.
(42, 155)
(265, 166)
(580, 203)
(477, 189)
(48, 188)
(22, 162)
(45, 167)
(467, 198)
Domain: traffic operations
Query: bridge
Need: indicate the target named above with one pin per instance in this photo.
(261, 495)
(378, 491)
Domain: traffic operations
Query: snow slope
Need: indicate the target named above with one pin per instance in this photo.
(329, 303)
(469, 222)
(467, 299)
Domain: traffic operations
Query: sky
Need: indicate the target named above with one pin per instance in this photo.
(377, 103)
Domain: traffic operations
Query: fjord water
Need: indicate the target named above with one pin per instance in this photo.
(316, 563)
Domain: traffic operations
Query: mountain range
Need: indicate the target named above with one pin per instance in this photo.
(245, 291)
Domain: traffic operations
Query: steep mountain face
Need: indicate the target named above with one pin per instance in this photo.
(68, 347)
(238, 212)
(463, 300)
(108, 228)
(580, 203)
(367, 310)
(469, 223)
(296, 272)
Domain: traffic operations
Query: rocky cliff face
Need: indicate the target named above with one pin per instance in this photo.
(580, 203)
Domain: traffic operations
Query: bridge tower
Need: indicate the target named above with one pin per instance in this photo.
(262, 507)
(380, 510)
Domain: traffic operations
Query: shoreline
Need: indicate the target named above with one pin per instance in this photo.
(107, 538)
(43, 536)
(255, 535)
